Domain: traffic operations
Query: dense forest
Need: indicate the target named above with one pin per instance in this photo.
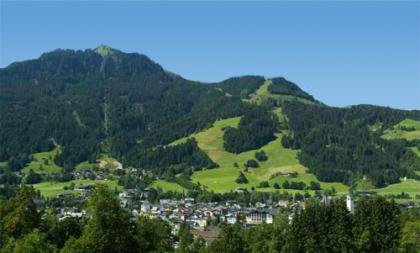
(256, 128)
(284, 87)
(337, 144)
(90, 103)
(241, 87)
(28, 225)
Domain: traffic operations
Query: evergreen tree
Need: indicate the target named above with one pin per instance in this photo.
(241, 179)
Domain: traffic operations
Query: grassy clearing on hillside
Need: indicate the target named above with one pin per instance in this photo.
(262, 94)
(365, 185)
(398, 133)
(43, 163)
(3, 165)
(84, 166)
(167, 186)
(103, 162)
(51, 189)
(222, 179)
(411, 186)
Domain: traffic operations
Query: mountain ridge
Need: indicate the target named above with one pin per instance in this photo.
(130, 107)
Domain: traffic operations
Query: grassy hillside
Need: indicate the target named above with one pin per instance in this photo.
(43, 163)
(222, 179)
(51, 189)
(167, 186)
(400, 131)
(411, 186)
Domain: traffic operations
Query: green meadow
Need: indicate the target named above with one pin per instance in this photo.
(398, 133)
(3, 165)
(222, 179)
(51, 189)
(411, 186)
(167, 186)
(43, 162)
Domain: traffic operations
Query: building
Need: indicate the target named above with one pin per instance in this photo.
(350, 203)
(257, 217)
(231, 218)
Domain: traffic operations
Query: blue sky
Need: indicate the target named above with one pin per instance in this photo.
(342, 52)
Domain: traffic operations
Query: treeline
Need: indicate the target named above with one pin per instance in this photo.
(282, 86)
(27, 225)
(337, 144)
(241, 87)
(256, 128)
(178, 157)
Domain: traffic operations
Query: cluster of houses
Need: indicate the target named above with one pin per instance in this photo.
(203, 218)
(200, 215)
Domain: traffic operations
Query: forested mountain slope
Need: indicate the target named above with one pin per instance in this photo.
(105, 101)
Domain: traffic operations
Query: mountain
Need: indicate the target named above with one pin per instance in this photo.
(100, 101)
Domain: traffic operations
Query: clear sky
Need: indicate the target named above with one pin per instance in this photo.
(342, 52)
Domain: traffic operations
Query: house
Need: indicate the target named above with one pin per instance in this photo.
(258, 217)
(83, 188)
(231, 218)
(145, 207)
(208, 236)
(240, 190)
(283, 203)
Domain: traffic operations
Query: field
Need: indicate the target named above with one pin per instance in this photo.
(398, 133)
(222, 179)
(103, 162)
(410, 186)
(51, 189)
(43, 163)
(3, 165)
(167, 186)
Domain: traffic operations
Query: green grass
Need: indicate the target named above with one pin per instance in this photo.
(398, 133)
(43, 163)
(222, 179)
(167, 186)
(3, 165)
(365, 185)
(103, 162)
(84, 166)
(411, 186)
(51, 189)
(262, 94)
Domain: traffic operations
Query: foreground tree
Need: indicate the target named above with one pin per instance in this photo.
(109, 228)
(377, 225)
(153, 235)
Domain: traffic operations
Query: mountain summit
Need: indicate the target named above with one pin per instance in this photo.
(105, 50)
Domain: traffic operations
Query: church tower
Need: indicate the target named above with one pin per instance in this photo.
(350, 204)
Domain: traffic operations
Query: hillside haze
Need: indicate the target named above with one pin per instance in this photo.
(103, 101)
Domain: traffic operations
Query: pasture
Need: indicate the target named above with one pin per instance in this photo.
(43, 163)
(399, 131)
(222, 179)
(50, 189)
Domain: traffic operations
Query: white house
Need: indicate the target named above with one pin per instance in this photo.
(255, 218)
(231, 218)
